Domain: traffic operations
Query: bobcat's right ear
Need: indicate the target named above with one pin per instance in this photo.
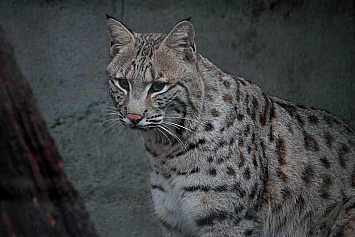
(181, 38)
(120, 35)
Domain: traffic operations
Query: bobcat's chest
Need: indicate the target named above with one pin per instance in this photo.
(174, 207)
(186, 201)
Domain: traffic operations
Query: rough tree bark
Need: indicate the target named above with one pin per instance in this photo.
(36, 196)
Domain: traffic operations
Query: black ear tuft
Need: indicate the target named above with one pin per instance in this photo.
(107, 16)
(187, 19)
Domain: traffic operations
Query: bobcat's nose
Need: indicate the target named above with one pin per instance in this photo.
(134, 118)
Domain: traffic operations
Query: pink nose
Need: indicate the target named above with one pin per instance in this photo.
(134, 118)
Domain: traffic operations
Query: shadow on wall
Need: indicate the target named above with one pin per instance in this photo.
(298, 50)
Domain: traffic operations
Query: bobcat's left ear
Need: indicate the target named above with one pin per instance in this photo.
(119, 34)
(181, 38)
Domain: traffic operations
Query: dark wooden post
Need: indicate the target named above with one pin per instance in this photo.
(36, 196)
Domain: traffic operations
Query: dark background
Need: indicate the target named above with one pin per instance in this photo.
(299, 50)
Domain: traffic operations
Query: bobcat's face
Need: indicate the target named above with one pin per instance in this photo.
(153, 78)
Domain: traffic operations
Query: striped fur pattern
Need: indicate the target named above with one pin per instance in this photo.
(226, 158)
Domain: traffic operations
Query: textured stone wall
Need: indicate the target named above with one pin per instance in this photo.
(298, 50)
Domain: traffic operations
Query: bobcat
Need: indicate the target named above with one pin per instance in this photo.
(226, 158)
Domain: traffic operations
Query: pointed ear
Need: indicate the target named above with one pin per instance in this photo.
(181, 38)
(120, 36)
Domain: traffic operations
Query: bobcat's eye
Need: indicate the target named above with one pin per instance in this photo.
(157, 86)
(123, 83)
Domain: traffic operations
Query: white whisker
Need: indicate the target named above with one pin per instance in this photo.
(102, 120)
(188, 119)
(109, 113)
(114, 125)
(110, 106)
(163, 134)
(108, 121)
(118, 124)
(173, 135)
(109, 109)
(178, 126)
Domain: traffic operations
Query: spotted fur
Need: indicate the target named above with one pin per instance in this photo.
(226, 158)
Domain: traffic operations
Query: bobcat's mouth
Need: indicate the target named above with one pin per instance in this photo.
(137, 127)
(141, 127)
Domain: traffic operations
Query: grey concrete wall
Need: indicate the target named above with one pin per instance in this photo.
(299, 50)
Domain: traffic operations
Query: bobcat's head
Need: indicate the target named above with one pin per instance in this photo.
(153, 78)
